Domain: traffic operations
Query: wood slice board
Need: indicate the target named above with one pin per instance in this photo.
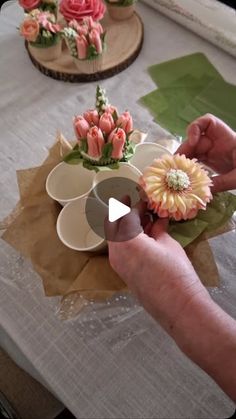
(124, 43)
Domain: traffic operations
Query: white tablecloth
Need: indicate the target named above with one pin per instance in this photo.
(100, 365)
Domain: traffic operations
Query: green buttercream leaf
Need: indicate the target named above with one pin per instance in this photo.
(84, 145)
(74, 157)
(92, 52)
(115, 116)
(107, 150)
(89, 166)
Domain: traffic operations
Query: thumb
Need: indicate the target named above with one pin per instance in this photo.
(225, 182)
(159, 228)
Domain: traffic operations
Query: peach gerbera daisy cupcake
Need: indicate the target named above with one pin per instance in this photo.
(176, 187)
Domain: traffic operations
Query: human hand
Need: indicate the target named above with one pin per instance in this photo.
(153, 265)
(213, 143)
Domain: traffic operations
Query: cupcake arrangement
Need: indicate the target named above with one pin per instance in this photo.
(107, 147)
(49, 26)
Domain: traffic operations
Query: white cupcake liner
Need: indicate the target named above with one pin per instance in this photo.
(46, 53)
(89, 66)
(120, 12)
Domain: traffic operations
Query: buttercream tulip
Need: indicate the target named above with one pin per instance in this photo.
(95, 142)
(74, 25)
(92, 117)
(81, 29)
(82, 47)
(111, 109)
(95, 39)
(92, 24)
(125, 121)
(81, 127)
(30, 30)
(117, 138)
(106, 123)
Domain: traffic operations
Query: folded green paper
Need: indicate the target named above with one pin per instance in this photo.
(218, 212)
(218, 98)
(169, 72)
(189, 87)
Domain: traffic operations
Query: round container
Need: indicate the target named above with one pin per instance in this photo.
(89, 66)
(67, 182)
(73, 228)
(145, 153)
(120, 12)
(115, 189)
(46, 54)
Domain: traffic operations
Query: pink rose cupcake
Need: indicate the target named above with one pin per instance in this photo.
(29, 4)
(33, 29)
(79, 9)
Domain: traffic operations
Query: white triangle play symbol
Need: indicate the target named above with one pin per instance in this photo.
(117, 210)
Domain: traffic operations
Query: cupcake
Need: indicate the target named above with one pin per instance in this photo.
(43, 5)
(176, 187)
(78, 10)
(103, 136)
(86, 43)
(120, 9)
(43, 35)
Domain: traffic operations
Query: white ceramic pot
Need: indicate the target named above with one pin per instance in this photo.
(67, 182)
(145, 153)
(73, 228)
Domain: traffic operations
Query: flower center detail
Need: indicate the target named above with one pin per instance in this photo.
(177, 179)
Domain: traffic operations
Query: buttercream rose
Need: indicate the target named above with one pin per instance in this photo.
(79, 9)
(29, 4)
(30, 30)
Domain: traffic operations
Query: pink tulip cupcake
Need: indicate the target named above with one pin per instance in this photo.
(120, 9)
(103, 136)
(86, 43)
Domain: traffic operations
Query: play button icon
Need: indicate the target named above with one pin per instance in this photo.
(104, 202)
(117, 210)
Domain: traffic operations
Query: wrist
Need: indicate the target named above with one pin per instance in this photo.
(175, 299)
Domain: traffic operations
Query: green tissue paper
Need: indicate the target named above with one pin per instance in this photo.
(218, 98)
(195, 65)
(189, 87)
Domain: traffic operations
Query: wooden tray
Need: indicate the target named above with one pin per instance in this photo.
(124, 43)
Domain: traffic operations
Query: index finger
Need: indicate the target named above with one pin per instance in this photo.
(194, 133)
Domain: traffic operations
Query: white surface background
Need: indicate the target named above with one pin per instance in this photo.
(115, 362)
